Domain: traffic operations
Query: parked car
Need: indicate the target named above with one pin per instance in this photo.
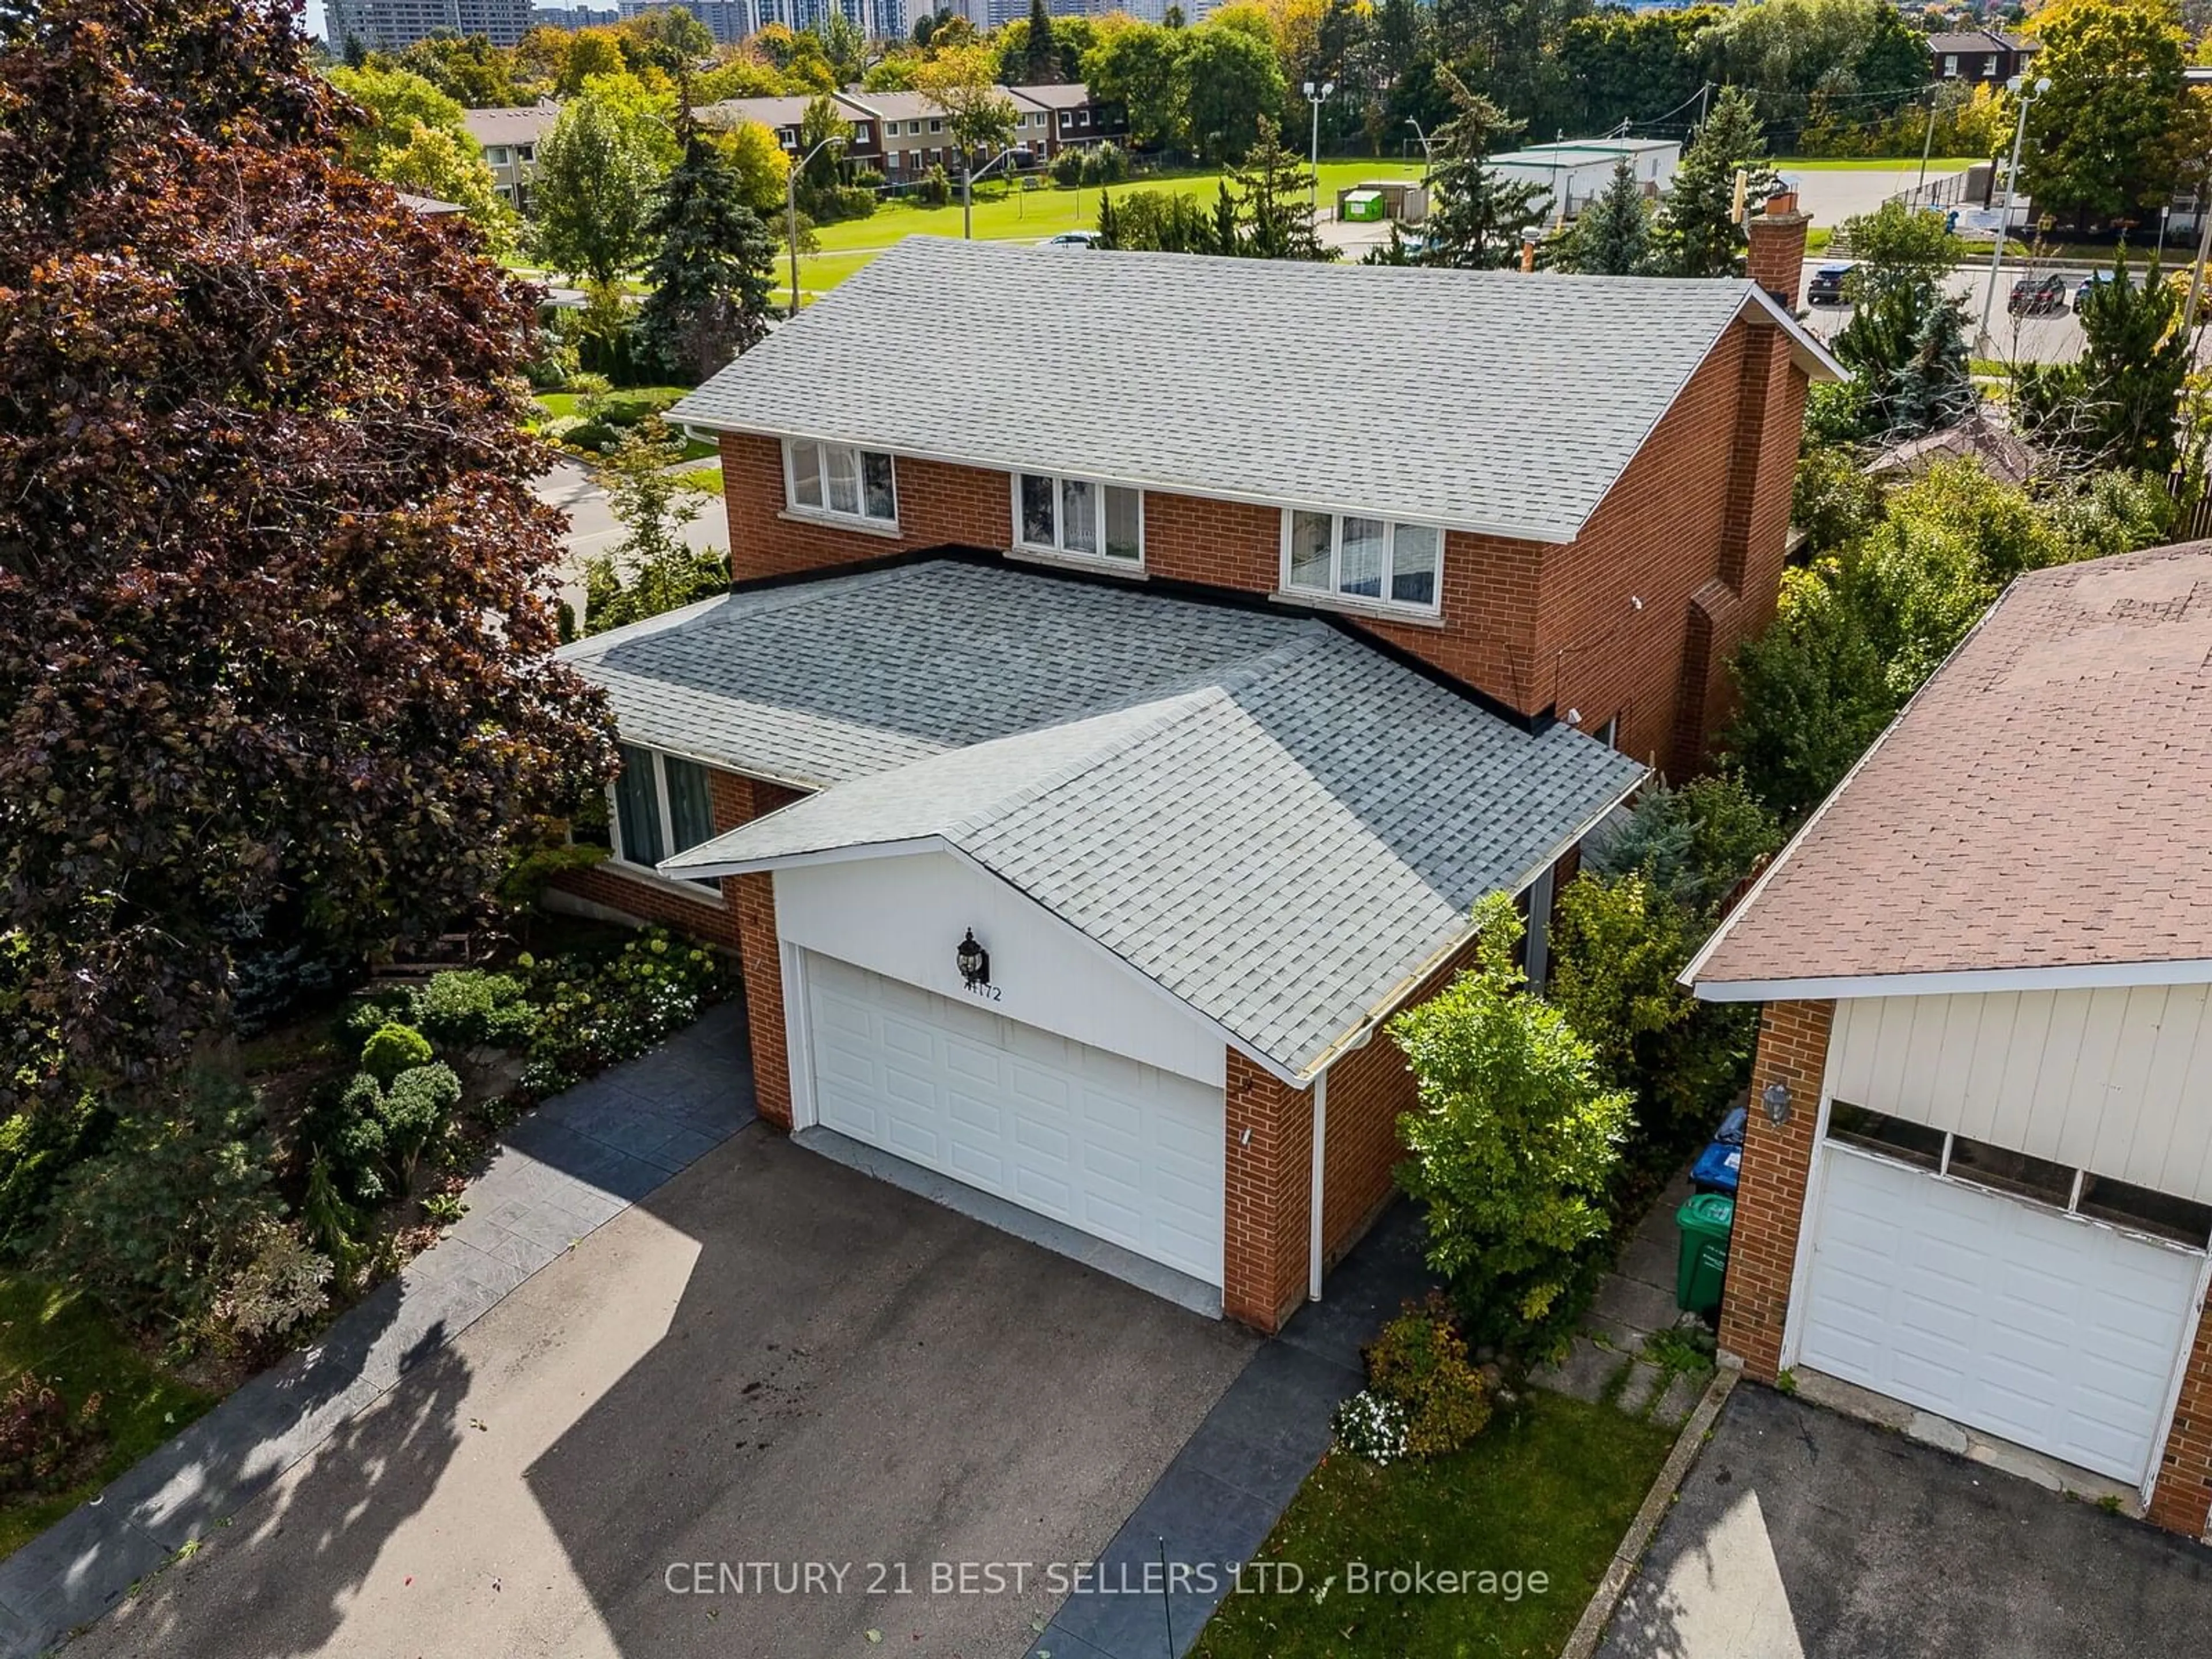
(2090, 284)
(2038, 296)
(1074, 239)
(1826, 287)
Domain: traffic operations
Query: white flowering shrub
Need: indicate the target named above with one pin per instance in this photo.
(1372, 1425)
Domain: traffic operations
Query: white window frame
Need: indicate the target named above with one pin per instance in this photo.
(1333, 594)
(708, 890)
(1059, 481)
(798, 508)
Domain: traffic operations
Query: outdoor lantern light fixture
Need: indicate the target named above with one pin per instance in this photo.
(1775, 1097)
(974, 960)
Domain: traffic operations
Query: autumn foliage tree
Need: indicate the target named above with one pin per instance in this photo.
(276, 617)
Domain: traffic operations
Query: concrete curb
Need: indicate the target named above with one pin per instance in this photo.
(1599, 1613)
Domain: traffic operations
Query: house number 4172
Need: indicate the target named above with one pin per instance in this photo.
(988, 991)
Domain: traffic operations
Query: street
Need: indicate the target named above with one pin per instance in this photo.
(592, 528)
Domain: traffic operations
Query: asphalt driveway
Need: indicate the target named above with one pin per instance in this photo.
(771, 1364)
(1803, 1534)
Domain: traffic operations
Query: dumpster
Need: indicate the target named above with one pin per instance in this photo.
(1704, 1222)
(1364, 204)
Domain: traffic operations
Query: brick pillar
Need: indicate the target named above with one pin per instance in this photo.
(1777, 256)
(2184, 1493)
(1769, 1201)
(1265, 1213)
(760, 957)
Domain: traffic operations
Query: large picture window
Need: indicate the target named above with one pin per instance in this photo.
(662, 807)
(1345, 556)
(1077, 517)
(839, 481)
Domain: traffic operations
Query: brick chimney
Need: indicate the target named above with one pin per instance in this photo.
(1777, 259)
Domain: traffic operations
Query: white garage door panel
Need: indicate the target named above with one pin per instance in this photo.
(2004, 1316)
(1103, 1143)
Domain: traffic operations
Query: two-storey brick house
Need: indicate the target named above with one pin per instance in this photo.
(1127, 691)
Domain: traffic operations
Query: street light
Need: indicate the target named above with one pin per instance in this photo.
(1317, 98)
(1423, 138)
(968, 178)
(791, 210)
(2012, 190)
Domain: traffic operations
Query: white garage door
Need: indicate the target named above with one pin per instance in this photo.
(2003, 1316)
(1116, 1148)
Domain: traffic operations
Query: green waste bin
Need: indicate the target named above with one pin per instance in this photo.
(1705, 1222)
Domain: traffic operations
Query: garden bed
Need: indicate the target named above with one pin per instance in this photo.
(1548, 1488)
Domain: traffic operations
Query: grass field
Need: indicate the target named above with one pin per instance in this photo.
(1548, 1489)
(56, 1334)
(1936, 164)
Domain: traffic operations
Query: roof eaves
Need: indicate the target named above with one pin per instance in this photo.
(1810, 354)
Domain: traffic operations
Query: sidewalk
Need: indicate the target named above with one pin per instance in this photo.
(562, 1172)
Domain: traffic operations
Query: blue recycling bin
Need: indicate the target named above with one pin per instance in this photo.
(1719, 1166)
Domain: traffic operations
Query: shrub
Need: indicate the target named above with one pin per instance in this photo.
(42, 1441)
(1420, 1361)
(154, 1226)
(597, 1014)
(1068, 167)
(1371, 1426)
(415, 1108)
(1105, 163)
(282, 1283)
(394, 1048)
(468, 1006)
(326, 1219)
(37, 1149)
(595, 436)
(936, 187)
(364, 1017)
(1514, 1142)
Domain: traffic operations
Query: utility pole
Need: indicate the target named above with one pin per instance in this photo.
(2011, 194)
(1927, 145)
(1316, 99)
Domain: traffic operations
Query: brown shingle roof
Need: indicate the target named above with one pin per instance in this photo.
(2044, 802)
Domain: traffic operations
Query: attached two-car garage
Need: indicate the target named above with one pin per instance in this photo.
(1126, 1151)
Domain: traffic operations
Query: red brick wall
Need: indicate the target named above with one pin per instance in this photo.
(1368, 1090)
(2184, 1493)
(760, 959)
(1769, 1204)
(1266, 1197)
(1530, 625)
(1776, 260)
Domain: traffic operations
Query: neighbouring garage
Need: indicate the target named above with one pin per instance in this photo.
(2022, 1297)
(1126, 1151)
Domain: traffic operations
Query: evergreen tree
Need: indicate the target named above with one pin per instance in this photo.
(1041, 56)
(1476, 217)
(712, 268)
(1612, 237)
(1907, 347)
(1274, 209)
(2117, 403)
(1226, 235)
(1699, 233)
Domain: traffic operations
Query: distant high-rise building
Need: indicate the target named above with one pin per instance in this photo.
(572, 17)
(727, 20)
(998, 14)
(393, 25)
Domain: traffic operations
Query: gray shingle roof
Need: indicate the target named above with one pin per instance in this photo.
(1280, 838)
(817, 682)
(1482, 400)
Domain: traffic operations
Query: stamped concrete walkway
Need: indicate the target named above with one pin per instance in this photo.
(1607, 1359)
(558, 1175)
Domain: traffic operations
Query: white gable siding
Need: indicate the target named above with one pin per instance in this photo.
(2118, 1082)
(904, 916)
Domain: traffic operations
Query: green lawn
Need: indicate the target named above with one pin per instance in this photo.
(1549, 1490)
(55, 1334)
(1936, 164)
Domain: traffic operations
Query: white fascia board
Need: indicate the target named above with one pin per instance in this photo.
(1816, 358)
(1550, 535)
(1965, 981)
(705, 869)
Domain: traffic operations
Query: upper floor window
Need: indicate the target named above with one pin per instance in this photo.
(1076, 516)
(495, 155)
(936, 124)
(662, 807)
(527, 152)
(839, 480)
(863, 132)
(1340, 555)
